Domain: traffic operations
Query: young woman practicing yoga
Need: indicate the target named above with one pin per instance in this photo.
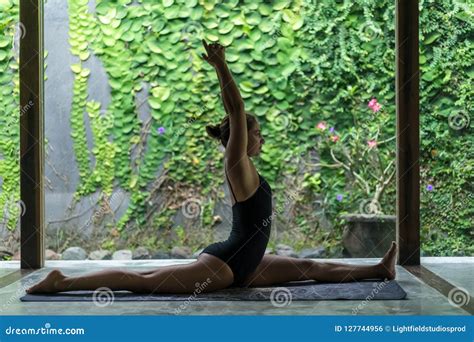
(239, 260)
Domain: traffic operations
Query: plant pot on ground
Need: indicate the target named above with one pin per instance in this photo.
(368, 236)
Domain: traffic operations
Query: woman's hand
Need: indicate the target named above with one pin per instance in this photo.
(215, 54)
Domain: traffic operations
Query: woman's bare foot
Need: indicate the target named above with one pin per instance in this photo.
(387, 264)
(48, 284)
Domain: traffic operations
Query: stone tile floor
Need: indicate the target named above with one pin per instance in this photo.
(421, 298)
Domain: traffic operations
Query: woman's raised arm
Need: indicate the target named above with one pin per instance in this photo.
(236, 148)
(230, 92)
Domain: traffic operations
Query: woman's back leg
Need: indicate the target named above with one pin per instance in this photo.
(208, 273)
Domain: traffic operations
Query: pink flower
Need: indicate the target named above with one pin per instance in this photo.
(371, 143)
(321, 125)
(376, 107)
(334, 138)
(372, 103)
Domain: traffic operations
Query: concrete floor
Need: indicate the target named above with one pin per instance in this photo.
(421, 298)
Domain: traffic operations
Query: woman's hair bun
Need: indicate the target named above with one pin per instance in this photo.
(214, 131)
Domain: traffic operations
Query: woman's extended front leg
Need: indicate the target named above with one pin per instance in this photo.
(275, 269)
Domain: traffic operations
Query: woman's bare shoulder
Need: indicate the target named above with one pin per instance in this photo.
(243, 178)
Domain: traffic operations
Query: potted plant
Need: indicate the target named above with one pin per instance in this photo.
(357, 167)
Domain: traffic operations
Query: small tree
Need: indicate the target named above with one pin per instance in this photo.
(364, 154)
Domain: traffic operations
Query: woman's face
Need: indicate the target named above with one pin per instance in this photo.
(255, 140)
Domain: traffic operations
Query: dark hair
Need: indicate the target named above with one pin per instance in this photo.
(222, 131)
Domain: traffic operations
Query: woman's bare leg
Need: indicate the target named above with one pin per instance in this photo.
(114, 279)
(276, 269)
(183, 278)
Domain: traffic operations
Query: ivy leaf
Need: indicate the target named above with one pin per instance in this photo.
(84, 55)
(133, 181)
(168, 107)
(76, 68)
(3, 55)
(153, 45)
(161, 93)
(154, 103)
(431, 38)
(168, 3)
(280, 4)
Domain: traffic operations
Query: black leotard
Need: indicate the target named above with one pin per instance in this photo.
(244, 248)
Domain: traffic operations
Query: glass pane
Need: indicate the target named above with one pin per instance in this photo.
(130, 168)
(11, 207)
(447, 142)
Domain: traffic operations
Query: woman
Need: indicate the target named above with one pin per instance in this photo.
(240, 260)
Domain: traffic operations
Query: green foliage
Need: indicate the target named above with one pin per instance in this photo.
(297, 63)
(446, 146)
(9, 117)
